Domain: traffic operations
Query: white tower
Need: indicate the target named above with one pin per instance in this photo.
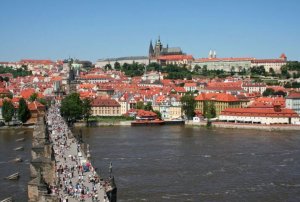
(210, 54)
(215, 54)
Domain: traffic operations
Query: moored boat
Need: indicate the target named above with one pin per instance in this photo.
(147, 122)
(8, 199)
(14, 176)
(17, 159)
(19, 148)
(21, 133)
(20, 139)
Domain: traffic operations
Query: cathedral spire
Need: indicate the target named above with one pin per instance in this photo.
(151, 50)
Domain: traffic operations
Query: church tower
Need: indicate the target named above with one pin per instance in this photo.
(151, 50)
(158, 47)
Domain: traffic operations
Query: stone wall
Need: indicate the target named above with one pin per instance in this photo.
(42, 165)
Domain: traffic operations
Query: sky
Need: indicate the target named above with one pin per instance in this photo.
(95, 29)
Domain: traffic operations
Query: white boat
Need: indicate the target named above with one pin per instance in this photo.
(17, 159)
(14, 176)
(19, 148)
(20, 139)
(8, 199)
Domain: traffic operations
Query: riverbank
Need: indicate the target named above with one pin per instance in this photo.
(279, 127)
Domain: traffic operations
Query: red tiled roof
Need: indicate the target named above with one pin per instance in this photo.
(223, 97)
(268, 112)
(175, 57)
(144, 113)
(26, 93)
(294, 95)
(104, 102)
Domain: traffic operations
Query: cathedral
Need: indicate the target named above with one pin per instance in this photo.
(159, 50)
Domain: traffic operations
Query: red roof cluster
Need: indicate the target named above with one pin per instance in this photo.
(175, 57)
(254, 112)
(104, 102)
(223, 97)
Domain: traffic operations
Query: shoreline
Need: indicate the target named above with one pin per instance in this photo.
(203, 124)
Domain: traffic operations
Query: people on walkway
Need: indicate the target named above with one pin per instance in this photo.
(76, 177)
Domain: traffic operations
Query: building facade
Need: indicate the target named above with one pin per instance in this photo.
(293, 101)
(105, 106)
(221, 101)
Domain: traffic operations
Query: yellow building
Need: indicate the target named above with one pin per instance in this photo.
(221, 101)
(105, 106)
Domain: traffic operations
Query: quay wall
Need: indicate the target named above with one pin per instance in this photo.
(247, 126)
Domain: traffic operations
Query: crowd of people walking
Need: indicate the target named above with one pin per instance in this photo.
(76, 177)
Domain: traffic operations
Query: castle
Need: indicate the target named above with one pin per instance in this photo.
(159, 50)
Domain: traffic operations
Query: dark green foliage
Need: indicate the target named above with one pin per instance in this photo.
(22, 71)
(8, 110)
(33, 97)
(71, 108)
(258, 70)
(271, 92)
(157, 113)
(209, 110)
(23, 111)
(140, 105)
(148, 107)
(117, 66)
(268, 92)
(188, 105)
(86, 109)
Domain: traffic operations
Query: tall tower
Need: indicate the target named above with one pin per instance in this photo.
(151, 50)
(158, 47)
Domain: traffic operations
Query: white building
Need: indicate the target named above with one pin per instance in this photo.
(267, 116)
(275, 64)
(293, 102)
(254, 87)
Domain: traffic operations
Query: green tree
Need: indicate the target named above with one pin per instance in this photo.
(158, 114)
(268, 92)
(86, 109)
(107, 67)
(117, 66)
(71, 108)
(209, 110)
(23, 111)
(33, 97)
(188, 105)
(148, 106)
(140, 105)
(8, 110)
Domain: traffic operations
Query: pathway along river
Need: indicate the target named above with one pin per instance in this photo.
(177, 163)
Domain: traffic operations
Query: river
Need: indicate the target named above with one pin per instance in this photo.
(177, 163)
(18, 188)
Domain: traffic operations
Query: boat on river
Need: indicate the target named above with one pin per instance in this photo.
(14, 176)
(147, 122)
(20, 139)
(8, 199)
(21, 133)
(17, 159)
(19, 148)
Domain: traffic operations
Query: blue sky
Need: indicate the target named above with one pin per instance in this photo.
(57, 29)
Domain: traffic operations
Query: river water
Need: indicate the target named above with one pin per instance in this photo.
(18, 188)
(177, 163)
